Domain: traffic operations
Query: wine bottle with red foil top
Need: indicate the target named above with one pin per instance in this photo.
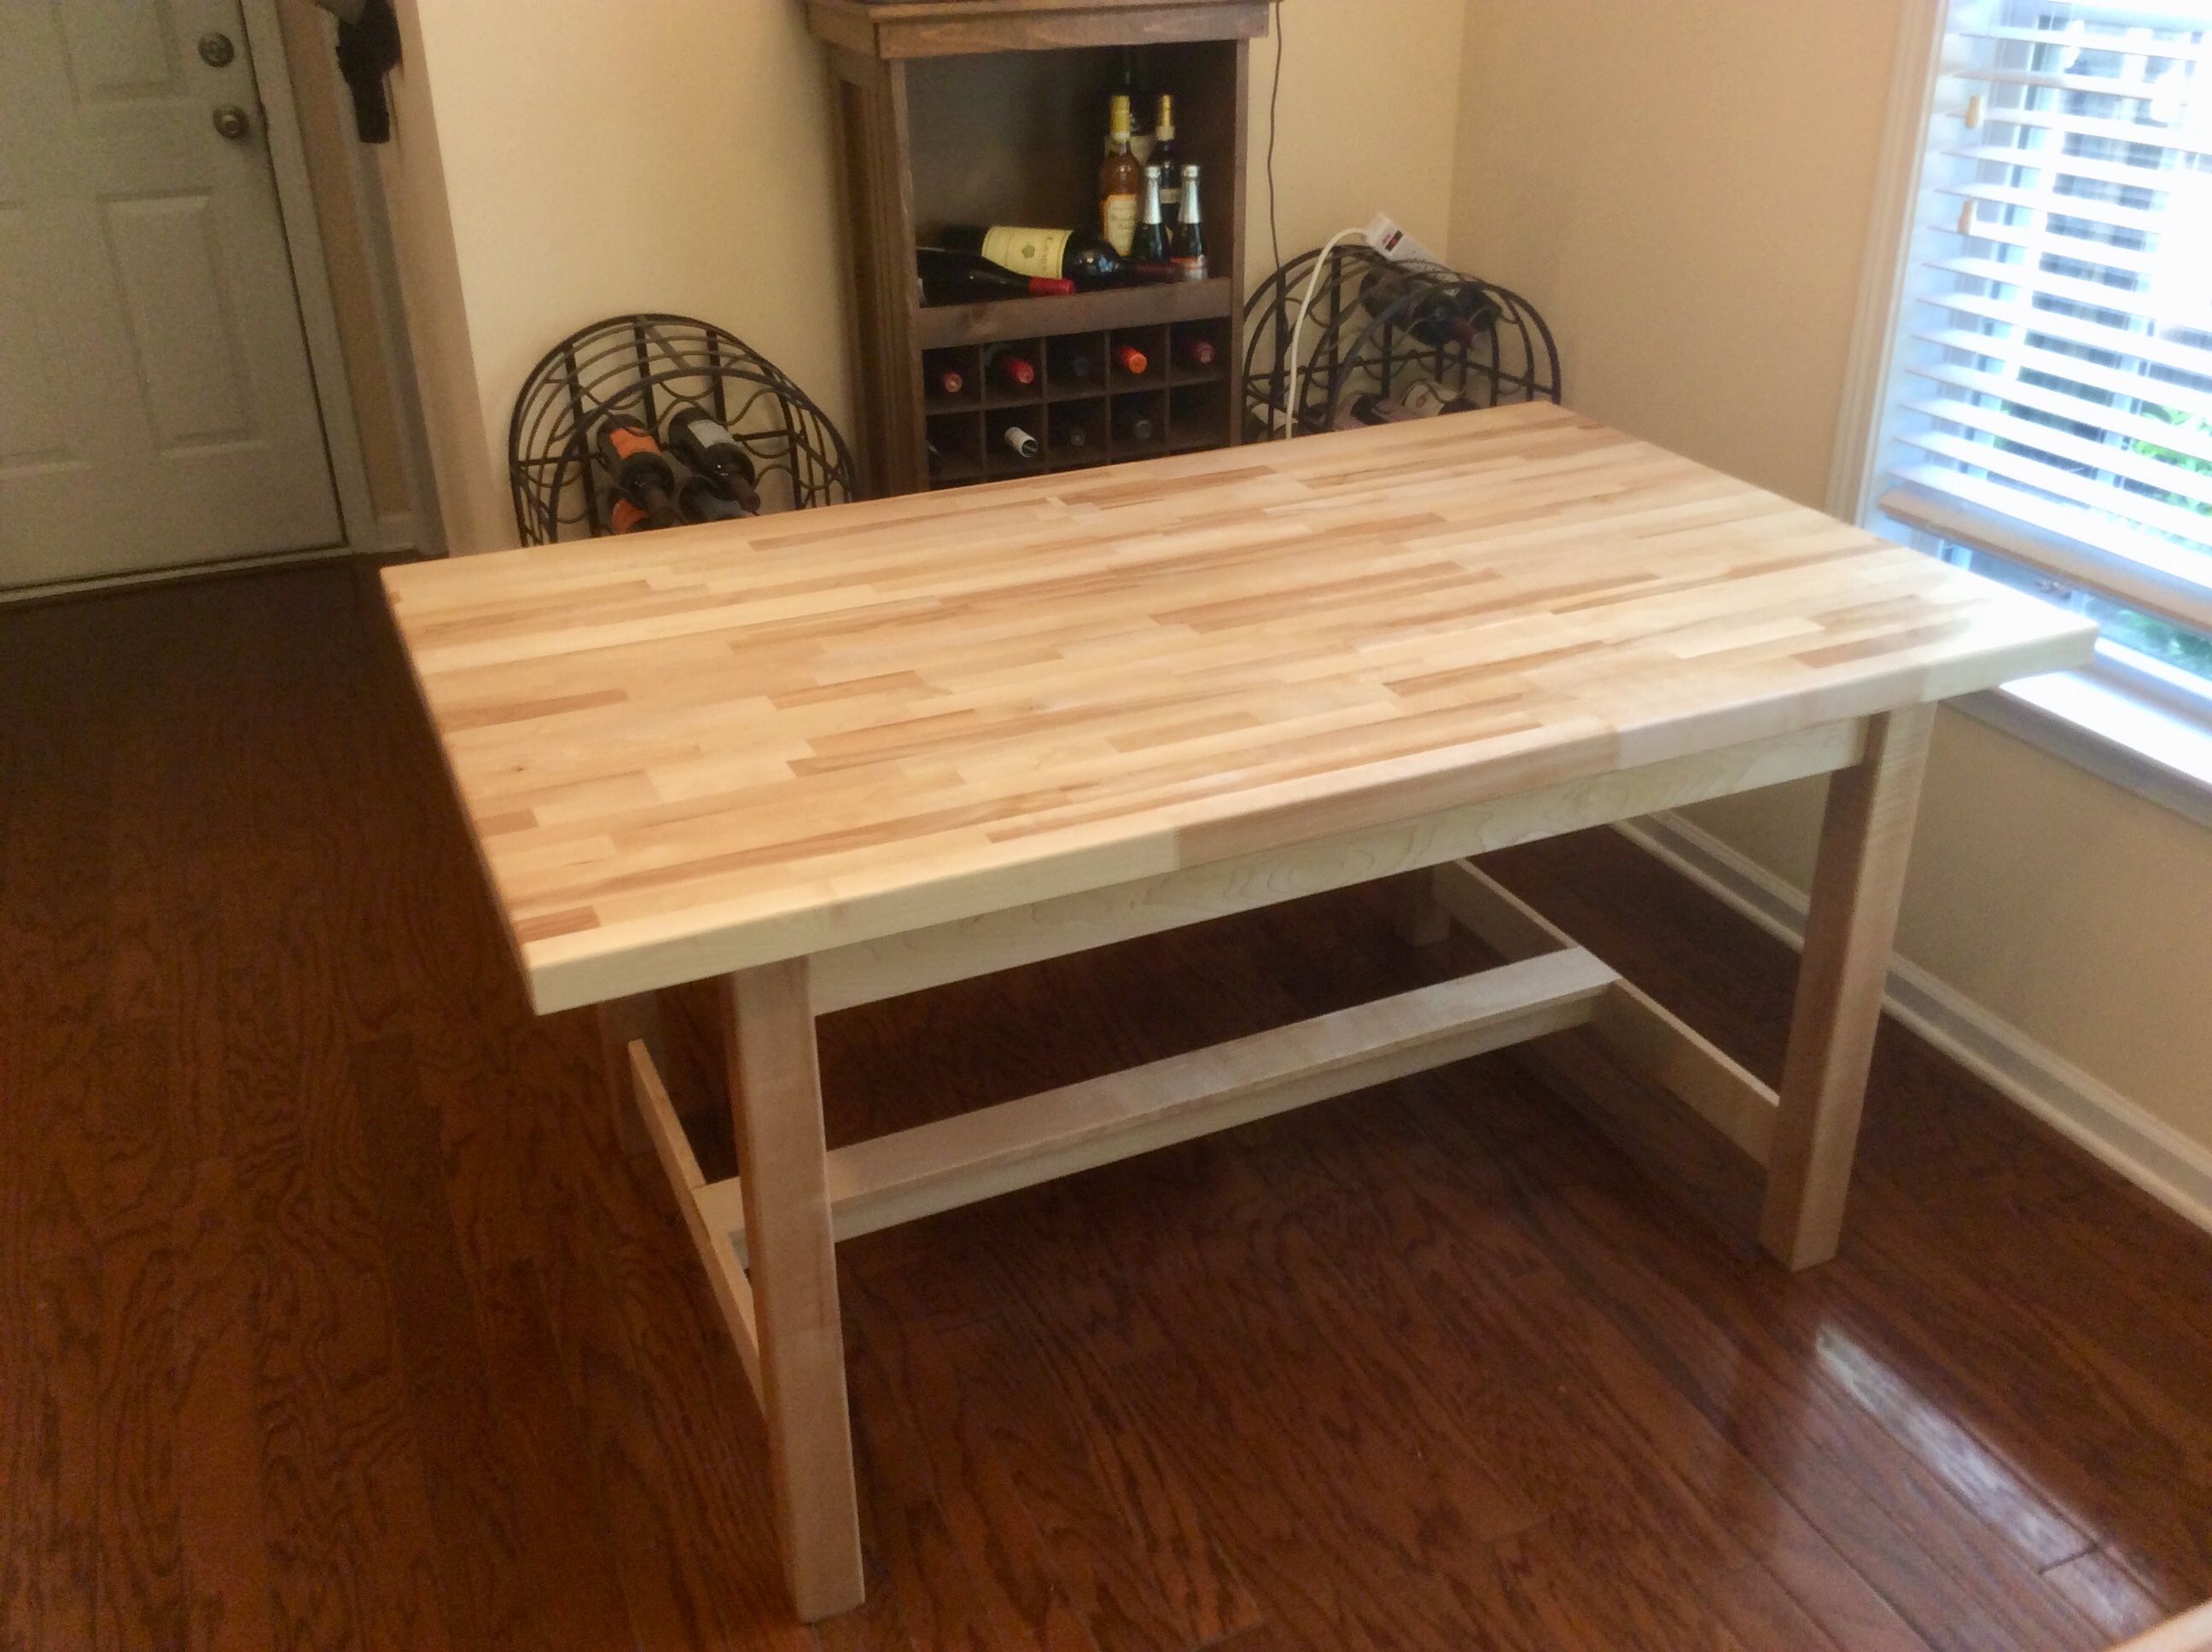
(1132, 362)
(1194, 350)
(951, 275)
(634, 467)
(1049, 254)
(1007, 368)
(622, 517)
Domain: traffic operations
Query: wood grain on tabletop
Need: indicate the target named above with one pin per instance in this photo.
(730, 743)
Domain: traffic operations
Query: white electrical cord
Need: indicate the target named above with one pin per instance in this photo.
(1298, 327)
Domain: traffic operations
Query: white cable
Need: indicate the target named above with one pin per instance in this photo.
(1298, 327)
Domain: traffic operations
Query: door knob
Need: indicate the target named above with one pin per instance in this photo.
(232, 122)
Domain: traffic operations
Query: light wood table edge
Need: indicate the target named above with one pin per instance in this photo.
(1595, 795)
(2191, 1632)
(864, 971)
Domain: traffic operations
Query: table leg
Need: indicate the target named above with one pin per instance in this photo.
(1418, 915)
(1857, 881)
(775, 1091)
(622, 1021)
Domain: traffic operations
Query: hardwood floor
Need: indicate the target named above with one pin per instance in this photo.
(333, 1316)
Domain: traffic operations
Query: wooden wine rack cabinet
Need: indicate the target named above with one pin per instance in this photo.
(994, 111)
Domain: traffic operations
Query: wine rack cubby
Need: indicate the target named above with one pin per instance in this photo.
(993, 111)
(1085, 407)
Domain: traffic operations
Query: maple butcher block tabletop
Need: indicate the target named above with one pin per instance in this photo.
(696, 751)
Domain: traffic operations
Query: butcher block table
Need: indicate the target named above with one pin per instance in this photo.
(830, 757)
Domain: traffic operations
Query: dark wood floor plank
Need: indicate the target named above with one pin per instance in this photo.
(142, 1587)
(2027, 1369)
(332, 1315)
(1116, 1513)
(221, 1529)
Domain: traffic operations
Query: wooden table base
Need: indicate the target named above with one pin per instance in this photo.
(768, 1238)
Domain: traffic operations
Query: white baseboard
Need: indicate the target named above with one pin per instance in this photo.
(2151, 1153)
(395, 532)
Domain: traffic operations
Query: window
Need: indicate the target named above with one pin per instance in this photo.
(2045, 412)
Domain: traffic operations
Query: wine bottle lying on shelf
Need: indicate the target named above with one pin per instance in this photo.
(957, 277)
(1194, 352)
(1024, 444)
(1071, 363)
(1135, 429)
(1046, 254)
(1131, 360)
(1008, 368)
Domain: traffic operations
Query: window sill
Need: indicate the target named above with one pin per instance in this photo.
(2129, 740)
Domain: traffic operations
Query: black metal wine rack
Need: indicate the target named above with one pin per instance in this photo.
(1371, 329)
(646, 366)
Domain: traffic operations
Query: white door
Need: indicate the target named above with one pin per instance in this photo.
(156, 405)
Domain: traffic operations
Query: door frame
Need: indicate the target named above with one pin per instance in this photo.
(311, 285)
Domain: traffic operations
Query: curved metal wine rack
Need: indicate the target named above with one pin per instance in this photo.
(1360, 338)
(645, 365)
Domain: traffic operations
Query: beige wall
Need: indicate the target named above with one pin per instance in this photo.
(1685, 189)
(682, 161)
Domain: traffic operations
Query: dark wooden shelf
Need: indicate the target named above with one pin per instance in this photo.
(963, 112)
(890, 30)
(1113, 306)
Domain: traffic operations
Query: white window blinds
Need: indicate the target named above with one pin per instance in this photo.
(2053, 374)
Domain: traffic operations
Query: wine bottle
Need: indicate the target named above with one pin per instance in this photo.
(1061, 254)
(1024, 446)
(706, 446)
(1166, 157)
(1150, 243)
(1134, 427)
(1436, 312)
(636, 466)
(1071, 362)
(1195, 351)
(947, 381)
(700, 501)
(1008, 368)
(622, 517)
(1071, 436)
(957, 276)
(1188, 242)
(1117, 181)
(1131, 360)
